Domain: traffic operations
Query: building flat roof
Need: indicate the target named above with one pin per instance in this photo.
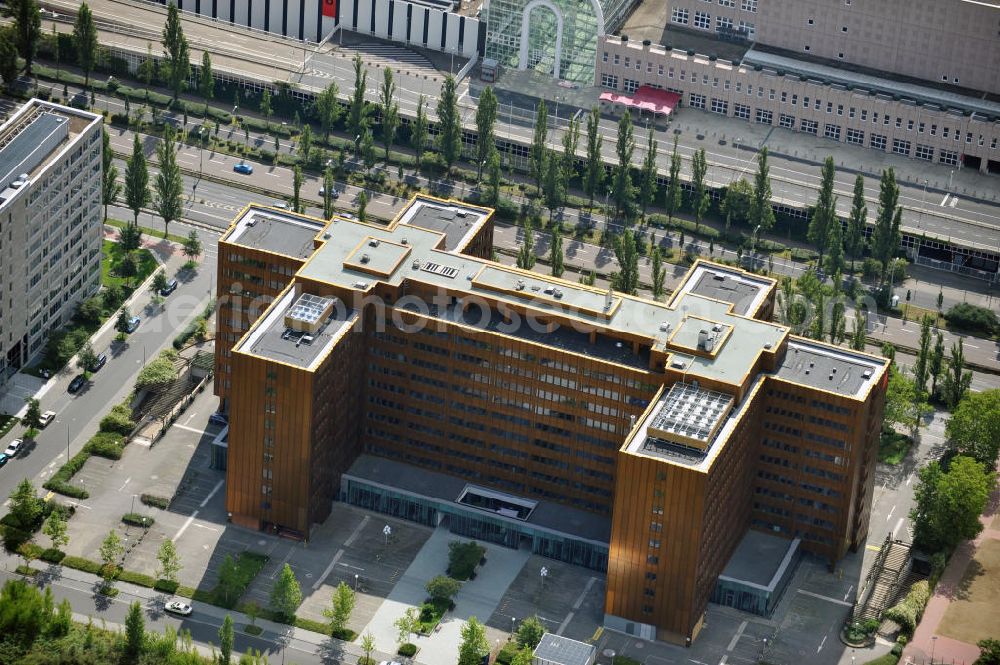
(549, 515)
(559, 650)
(273, 231)
(760, 559)
(271, 338)
(744, 291)
(457, 221)
(829, 368)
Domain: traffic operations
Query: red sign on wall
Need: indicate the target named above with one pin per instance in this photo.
(330, 8)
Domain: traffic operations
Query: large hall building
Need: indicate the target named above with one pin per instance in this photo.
(399, 369)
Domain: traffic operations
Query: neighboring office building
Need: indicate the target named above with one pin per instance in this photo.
(919, 78)
(596, 428)
(50, 224)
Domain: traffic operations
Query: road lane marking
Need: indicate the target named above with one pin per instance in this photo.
(333, 562)
(212, 493)
(820, 647)
(835, 601)
(898, 524)
(357, 531)
(889, 516)
(127, 481)
(849, 590)
(944, 201)
(190, 429)
(737, 636)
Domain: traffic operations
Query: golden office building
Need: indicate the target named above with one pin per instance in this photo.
(399, 369)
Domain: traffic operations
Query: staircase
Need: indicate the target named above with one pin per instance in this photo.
(886, 582)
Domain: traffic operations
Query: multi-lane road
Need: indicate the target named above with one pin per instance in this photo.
(938, 209)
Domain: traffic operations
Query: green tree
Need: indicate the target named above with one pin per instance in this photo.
(363, 206)
(84, 40)
(33, 415)
(8, 56)
(621, 183)
(474, 644)
(956, 379)
(406, 625)
(158, 372)
(111, 552)
(538, 150)
(168, 185)
(974, 427)
(936, 363)
(226, 638)
(647, 178)
(449, 123)
(127, 268)
(328, 185)
(699, 167)
(554, 189)
(886, 235)
(594, 174)
(442, 587)
(55, 528)
(359, 112)
(570, 143)
(419, 131)
(168, 560)
(368, 645)
(824, 212)
(761, 213)
(22, 613)
(192, 245)
(854, 240)
(390, 111)
(286, 595)
(556, 253)
(265, 107)
(341, 606)
(672, 203)
(110, 187)
(27, 27)
(921, 365)
(702, 209)
(130, 237)
(523, 657)
(530, 632)
(25, 506)
(328, 109)
(305, 142)
(835, 250)
(493, 178)
(137, 194)
(990, 652)
(135, 632)
(229, 581)
(903, 403)
(948, 504)
(526, 254)
(206, 79)
(177, 58)
(86, 358)
(626, 279)
(858, 333)
(737, 201)
(659, 274)
(486, 118)
(296, 188)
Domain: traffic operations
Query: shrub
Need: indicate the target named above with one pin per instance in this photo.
(13, 537)
(463, 559)
(407, 650)
(166, 585)
(133, 577)
(311, 624)
(507, 653)
(106, 444)
(345, 634)
(155, 501)
(442, 587)
(86, 565)
(60, 480)
(802, 254)
(52, 555)
(135, 519)
(871, 268)
(908, 611)
(973, 318)
(118, 420)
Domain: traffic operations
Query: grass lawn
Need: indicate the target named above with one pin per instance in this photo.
(6, 423)
(888, 659)
(248, 565)
(972, 615)
(893, 447)
(146, 231)
(430, 615)
(111, 257)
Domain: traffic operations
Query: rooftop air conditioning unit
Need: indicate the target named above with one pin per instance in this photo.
(307, 339)
(361, 285)
(520, 285)
(373, 242)
(365, 258)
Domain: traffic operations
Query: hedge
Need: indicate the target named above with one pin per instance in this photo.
(13, 537)
(141, 579)
(53, 555)
(137, 519)
(973, 318)
(908, 611)
(60, 480)
(106, 444)
(155, 501)
(407, 650)
(166, 585)
(80, 563)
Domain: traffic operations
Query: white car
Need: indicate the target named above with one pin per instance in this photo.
(14, 448)
(46, 418)
(178, 607)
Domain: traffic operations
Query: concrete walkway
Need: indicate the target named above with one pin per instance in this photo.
(478, 597)
(927, 646)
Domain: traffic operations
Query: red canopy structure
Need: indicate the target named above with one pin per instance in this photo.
(646, 98)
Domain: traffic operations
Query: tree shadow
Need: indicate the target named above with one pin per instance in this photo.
(101, 601)
(963, 590)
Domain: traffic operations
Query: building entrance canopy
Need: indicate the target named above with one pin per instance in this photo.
(646, 98)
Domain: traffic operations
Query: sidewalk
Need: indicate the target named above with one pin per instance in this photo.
(954, 588)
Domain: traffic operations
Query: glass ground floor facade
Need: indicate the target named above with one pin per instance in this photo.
(476, 524)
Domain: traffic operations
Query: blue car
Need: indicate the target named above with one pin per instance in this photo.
(3, 459)
(243, 168)
(133, 323)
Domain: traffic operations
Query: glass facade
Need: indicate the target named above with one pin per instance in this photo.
(753, 598)
(475, 524)
(554, 37)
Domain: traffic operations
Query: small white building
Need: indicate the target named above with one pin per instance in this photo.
(557, 650)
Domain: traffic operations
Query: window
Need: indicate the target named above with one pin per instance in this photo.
(679, 15)
(807, 47)
(876, 141)
(631, 85)
(720, 106)
(809, 126)
(748, 5)
(696, 101)
(723, 23)
(920, 128)
(864, 115)
(899, 122)
(944, 132)
(840, 109)
(649, 593)
(748, 27)
(855, 136)
(651, 576)
(660, 71)
(727, 3)
(654, 543)
(741, 111)
(628, 62)
(924, 152)
(702, 20)
(652, 560)
(609, 81)
(786, 121)
(604, 58)
(933, 130)
(901, 147)
(851, 112)
(831, 131)
(909, 125)
(843, 29)
(764, 116)
(811, 22)
(617, 59)
(948, 157)
(829, 107)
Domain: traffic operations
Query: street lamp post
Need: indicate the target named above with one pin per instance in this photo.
(923, 199)
(201, 140)
(933, 645)
(513, 620)
(387, 531)
(355, 582)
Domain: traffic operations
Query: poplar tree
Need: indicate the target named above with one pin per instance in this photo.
(526, 254)
(538, 143)
(27, 29)
(486, 117)
(418, 131)
(175, 48)
(886, 235)
(673, 200)
(647, 180)
(110, 187)
(825, 211)
(390, 111)
(449, 123)
(626, 279)
(358, 116)
(206, 80)
(85, 41)
(594, 171)
(854, 239)
(699, 167)
(168, 185)
(556, 252)
(761, 213)
(328, 108)
(570, 143)
(137, 195)
(622, 178)
(658, 274)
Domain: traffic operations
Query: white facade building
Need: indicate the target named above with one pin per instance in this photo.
(50, 224)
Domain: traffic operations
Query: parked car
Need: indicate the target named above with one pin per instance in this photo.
(281, 205)
(133, 323)
(334, 194)
(3, 459)
(243, 168)
(14, 448)
(46, 418)
(101, 361)
(178, 607)
(169, 288)
(77, 383)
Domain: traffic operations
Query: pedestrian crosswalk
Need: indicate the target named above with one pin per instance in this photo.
(395, 56)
